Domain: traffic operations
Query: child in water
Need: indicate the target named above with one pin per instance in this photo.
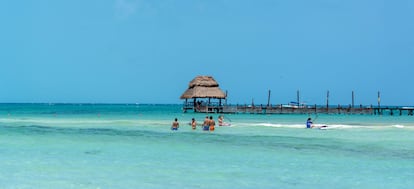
(193, 123)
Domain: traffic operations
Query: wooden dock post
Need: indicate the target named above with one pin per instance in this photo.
(353, 99)
(281, 108)
(268, 98)
(327, 101)
(379, 103)
(339, 109)
(379, 99)
(185, 106)
(225, 100)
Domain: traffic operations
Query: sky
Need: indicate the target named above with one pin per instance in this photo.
(147, 51)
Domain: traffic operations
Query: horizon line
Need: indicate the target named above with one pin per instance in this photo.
(229, 104)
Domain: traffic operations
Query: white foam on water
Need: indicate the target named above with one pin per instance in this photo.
(320, 125)
(398, 126)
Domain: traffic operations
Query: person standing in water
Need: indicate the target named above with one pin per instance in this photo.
(212, 123)
(193, 123)
(175, 125)
(309, 123)
(220, 120)
(206, 124)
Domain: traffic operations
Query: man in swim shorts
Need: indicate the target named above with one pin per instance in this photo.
(206, 124)
(175, 125)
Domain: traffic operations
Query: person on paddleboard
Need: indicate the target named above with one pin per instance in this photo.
(309, 123)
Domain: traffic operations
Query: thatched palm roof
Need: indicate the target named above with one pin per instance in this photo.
(203, 87)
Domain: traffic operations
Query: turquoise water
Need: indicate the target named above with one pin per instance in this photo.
(132, 146)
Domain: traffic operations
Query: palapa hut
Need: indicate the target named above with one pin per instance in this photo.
(204, 90)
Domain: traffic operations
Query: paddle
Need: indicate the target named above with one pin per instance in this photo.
(315, 118)
(320, 127)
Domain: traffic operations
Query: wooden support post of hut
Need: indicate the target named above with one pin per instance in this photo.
(207, 90)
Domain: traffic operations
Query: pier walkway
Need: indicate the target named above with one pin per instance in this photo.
(284, 109)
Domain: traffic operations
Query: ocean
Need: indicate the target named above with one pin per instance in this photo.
(132, 146)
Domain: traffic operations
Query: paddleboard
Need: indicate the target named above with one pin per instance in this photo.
(323, 127)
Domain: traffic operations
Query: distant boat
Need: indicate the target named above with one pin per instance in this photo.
(294, 105)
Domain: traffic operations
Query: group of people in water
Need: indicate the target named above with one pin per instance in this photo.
(208, 124)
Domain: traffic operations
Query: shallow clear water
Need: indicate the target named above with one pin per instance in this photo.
(131, 146)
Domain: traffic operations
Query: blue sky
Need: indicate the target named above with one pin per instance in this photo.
(146, 51)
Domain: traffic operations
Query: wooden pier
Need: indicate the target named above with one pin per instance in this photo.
(204, 96)
(284, 109)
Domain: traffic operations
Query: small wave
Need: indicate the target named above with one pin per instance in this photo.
(65, 121)
(398, 126)
(82, 123)
(276, 125)
(319, 125)
(269, 125)
(338, 126)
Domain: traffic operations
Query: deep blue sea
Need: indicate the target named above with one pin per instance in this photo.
(132, 146)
